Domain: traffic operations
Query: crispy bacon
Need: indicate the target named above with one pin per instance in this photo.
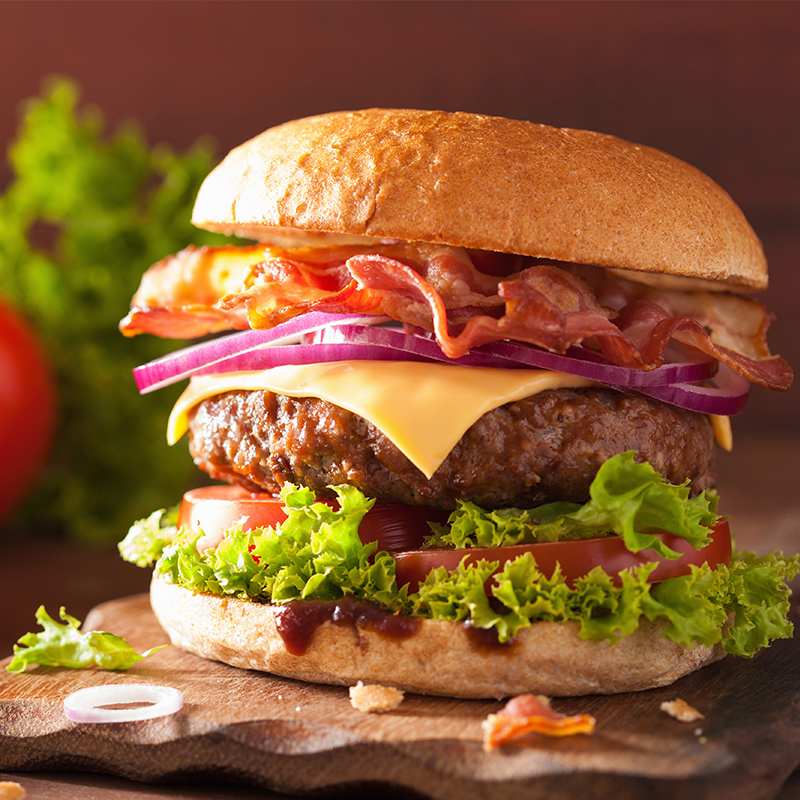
(178, 297)
(529, 713)
(439, 289)
(181, 322)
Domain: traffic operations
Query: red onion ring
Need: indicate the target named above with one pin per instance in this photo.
(577, 361)
(726, 398)
(87, 705)
(210, 356)
(335, 337)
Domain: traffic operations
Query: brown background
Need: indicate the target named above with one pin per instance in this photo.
(717, 84)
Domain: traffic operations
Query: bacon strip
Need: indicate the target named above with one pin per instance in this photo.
(529, 713)
(439, 289)
(178, 296)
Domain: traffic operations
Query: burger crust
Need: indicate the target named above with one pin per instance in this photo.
(487, 183)
(439, 658)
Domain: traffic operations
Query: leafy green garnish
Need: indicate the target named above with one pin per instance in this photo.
(147, 538)
(696, 605)
(65, 646)
(627, 498)
(85, 215)
(317, 554)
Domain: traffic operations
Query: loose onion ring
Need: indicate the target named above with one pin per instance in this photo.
(89, 704)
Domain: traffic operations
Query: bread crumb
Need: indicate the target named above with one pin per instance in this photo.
(374, 697)
(11, 791)
(681, 710)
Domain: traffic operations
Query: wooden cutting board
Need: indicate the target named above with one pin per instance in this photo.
(293, 737)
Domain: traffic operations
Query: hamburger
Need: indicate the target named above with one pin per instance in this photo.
(467, 421)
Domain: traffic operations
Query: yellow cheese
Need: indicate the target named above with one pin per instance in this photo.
(723, 432)
(423, 408)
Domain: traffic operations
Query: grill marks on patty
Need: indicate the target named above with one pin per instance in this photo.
(543, 448)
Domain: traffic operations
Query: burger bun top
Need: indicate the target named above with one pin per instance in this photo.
(487, 183)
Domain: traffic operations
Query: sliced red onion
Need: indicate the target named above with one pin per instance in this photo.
(407, 347)
(335, 337)
(145, 701)
(318, 353)
(727, 397)
(578, 361)
(216, 355)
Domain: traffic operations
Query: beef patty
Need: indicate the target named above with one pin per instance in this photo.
(543, 448)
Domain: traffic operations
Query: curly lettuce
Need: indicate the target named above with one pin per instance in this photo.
(317, 554)
(147, 538)
(629, 499)
(65, 646)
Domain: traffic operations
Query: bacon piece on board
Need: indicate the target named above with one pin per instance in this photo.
(529, 713)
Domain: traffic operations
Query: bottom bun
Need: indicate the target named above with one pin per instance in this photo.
(439, 658)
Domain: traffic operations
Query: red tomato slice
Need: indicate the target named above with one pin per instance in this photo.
(214, 509)
(401, 529)
(577, 558)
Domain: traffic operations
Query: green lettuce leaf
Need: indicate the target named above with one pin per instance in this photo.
(696, 606)
(146, 539)
(757, 595)
(472, 526)
(315, 554)
(522, 595)
(65, 646)
(627, 498)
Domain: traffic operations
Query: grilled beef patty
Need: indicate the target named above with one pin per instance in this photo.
(543, 448)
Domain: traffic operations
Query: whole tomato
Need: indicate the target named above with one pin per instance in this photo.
(27, 408)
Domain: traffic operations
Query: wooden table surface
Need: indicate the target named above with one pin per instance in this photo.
(759, 488)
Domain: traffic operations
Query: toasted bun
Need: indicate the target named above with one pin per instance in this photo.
(487, 183)
(439, 658)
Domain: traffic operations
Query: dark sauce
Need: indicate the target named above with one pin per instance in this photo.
(485, 640)
(298, 621)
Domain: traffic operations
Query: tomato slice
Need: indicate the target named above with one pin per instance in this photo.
(214, 509)
(400, 530)
(576, 558)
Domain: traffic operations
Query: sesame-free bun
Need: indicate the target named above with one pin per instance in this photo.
(439, 658)
(486, 183)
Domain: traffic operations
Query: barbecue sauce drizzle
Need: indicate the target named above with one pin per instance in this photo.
(298, 621)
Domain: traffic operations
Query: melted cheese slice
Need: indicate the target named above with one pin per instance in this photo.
(723, 432)
(423, 408)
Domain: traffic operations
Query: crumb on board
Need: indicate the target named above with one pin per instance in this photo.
(681, 710)
(11, 791)
(374, 697)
